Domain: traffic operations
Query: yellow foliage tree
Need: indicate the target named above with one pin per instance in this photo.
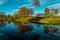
(22, 12)
(25, 12)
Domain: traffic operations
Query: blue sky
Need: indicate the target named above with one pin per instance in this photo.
(9, 6)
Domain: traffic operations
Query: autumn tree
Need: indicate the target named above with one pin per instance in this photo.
(22, 12)
(36, 2)
(25, 12)
(55, 12)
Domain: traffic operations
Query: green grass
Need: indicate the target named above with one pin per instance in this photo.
(51, 20)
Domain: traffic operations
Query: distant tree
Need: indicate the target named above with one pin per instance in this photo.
(38, 15)
(15, 15)
(55, 12)
(2, 15)
(9, 16)
(36, 3)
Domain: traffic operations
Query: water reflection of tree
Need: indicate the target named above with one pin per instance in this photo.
(15, 24)
(46, 28)
(50, 29)
(24, 28)
(2, 24)
(54, 29)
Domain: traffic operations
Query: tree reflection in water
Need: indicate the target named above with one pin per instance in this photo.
(46, 28)
(54, 29)
(50, 29)
(2, 24)
(15, 24)
(24, 28)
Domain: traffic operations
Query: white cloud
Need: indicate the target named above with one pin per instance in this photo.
(2, 3)
(56, 6)
(22, 5)
(15, 10)
(27, 5)
(43, 2)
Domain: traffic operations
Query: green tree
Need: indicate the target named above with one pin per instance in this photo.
(47, 13)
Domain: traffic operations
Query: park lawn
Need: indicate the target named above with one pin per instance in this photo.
(50, 20)
(23, 19)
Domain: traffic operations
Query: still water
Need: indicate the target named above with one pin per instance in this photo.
(18, 31)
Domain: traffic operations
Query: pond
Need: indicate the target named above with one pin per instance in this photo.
(18, 31)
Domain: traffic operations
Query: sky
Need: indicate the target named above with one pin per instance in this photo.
(9, 6)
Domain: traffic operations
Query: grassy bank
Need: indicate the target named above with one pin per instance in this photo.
(51, 20)
(32, 19)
